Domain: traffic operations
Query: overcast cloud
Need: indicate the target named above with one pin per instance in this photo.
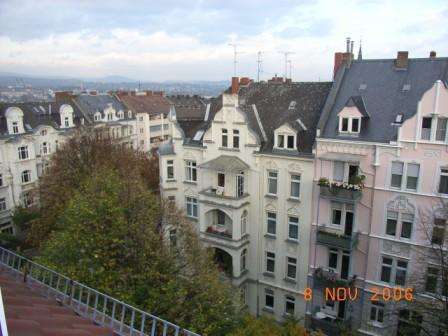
(188, 40)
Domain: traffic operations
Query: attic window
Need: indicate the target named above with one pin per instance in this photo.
(362, 87)
(292, 105)
(350, 125)
(406, 87)
(286, 141)
(399, 118)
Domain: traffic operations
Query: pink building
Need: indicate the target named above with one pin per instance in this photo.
(381, 175)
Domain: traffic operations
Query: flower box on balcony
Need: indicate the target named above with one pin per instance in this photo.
(224, 233)
(341, 190)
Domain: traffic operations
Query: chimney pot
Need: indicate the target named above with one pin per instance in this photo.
(402, 60)
(235, 85)
(432, 54)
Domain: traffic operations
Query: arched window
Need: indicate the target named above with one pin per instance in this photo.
(244, 223)
(243, 260)
(26, 176)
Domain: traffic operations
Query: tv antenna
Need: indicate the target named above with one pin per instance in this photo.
(259, 62)
(286, 53)
(235, 54)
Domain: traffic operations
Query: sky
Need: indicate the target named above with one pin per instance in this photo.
(189, 40)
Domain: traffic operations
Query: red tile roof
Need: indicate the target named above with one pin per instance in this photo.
(28, 313)
(152, 103)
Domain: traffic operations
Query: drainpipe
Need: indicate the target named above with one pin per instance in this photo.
(260, 231)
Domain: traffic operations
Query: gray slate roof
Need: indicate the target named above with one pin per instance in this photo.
(90, 104)
(383, 94)
(36, 114)
(285, 103)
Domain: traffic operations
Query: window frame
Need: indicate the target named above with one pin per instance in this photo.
(349, 125)
(191, 173)
(294, 180)
(270, 293)
(291, 262)
(224, 136)
(26, 176)
(15, 127)
(170, 164)
(271, 222)
(282, 140)
(289, 299)
(23, 152)
(401, 218)
(378, 308)
(293, 224)
(193, 203)
(394, 268)
(440, 175)
(235, 139)
(273, 180)
(270, 260)
(405, 176)
(3, 205)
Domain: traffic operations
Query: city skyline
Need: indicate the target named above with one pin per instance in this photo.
(169, 41)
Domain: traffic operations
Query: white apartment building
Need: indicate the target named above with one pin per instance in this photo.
(241, 166)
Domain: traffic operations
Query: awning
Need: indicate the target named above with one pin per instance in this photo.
(345, 157)
(225, 163)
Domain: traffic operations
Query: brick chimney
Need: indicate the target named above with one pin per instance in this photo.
(432, 54)
(235, 85)
(401, 63)
(341, 58)
(62, 95)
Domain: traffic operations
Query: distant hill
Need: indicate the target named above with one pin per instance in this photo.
(206, 88)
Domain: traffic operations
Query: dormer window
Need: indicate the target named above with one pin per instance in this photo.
(129, 114)
(15, 127)
(349, 125)
(285, 141)
(120, 115)
(97, 116)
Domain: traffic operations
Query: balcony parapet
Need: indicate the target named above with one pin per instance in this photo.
(342, 192)
(223, 238)
(329, 325)
(331, 239)
(327, 279)
(210, 196)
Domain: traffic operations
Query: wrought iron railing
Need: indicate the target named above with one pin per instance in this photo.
(102, 309)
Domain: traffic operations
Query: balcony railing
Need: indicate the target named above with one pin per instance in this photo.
(328, 325)
(326, 279)
(215, 192)
(335, 240)
(340, 194)
(100, 308)
(212, 230)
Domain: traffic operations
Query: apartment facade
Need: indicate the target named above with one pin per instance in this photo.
(379, 187)
(241, 166)
(30, 133)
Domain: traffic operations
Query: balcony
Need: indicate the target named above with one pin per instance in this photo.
(336, 240)
(215, 196)
(329, 325)
(327, 279)
(340, 194)
(216, 231)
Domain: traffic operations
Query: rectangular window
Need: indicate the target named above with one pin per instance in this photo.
(221, 180)
(291, 144)
(338, 171)
(191, 171)
(406, 225)
(293, 227)
(23, 152)
(333, 259)
(290, 303)
(224, 138)
(441, 129)
(269, 298)
(26, 176)
(336, 213)
(15, 127)
(291, 269)
(386, 269)
(355, 125)
(236, 139)
(2, 204)
(170, 169)
(377, 312)
(412, 176)
(281, 141)
(426, 128)
(400, 273)
(391, 224)
(344, 125)
(397, 174)
(295, 186)
(272, 223)
(438, 231)
(432, 275)
(443, 181)
(272, 182)
(240, 184)
(270, 262)
(192, 207)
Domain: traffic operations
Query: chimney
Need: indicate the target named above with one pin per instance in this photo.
(347, 48)
(235, 85)
(401, 63)
(338, 58)
(432, 54)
